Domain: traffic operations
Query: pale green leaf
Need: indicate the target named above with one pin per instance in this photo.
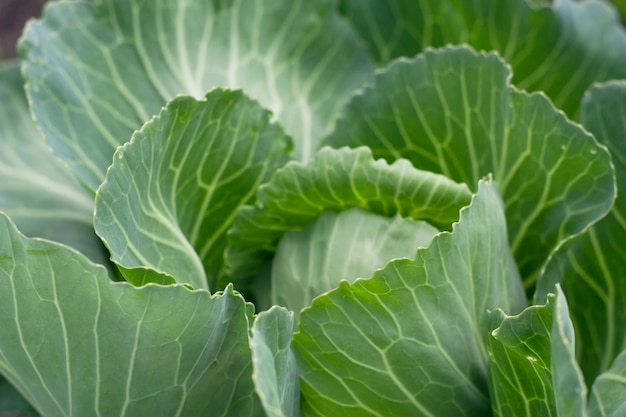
(275, 372)
(77, 344)
(452, 111)
(533, 370)
(337, 180)
(172, 191)
(592, 267)
(97, 70)
(411, 341)
(559, 47)
(337, 246)
(36, 190)
(608, 393)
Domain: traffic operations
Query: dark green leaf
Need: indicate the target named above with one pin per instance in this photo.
(337, 180)
(558, 47)
(592, 267)
(77, 344)
(36, 190)
(12, 404)
(97, 71)
(452, 111)
(411, 341)
(172, 191)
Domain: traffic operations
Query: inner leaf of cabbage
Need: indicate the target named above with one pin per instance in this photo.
(340, 246)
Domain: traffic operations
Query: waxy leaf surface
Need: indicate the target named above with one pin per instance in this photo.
(452, 111)
(411, 340)
(36, 189)
(533, 369)
(337, 180)
(172, 191)
(340, 246)
(592, 267)
(97, 71)
(559, 47)
(76, 344)
(275, 372)
(609, 390)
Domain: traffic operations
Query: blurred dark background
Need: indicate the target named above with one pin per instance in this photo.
(13, 16)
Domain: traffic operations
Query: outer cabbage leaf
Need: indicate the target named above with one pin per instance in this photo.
(77, 344)
(338, 246)
(172, 191)
(36, 190)
(592, 267)
(452, 111)
(97, 70)
(275, 369)
(533, 369)
(411, 340)
(559, 47)
(337, 180)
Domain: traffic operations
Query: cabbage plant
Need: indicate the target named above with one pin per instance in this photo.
(314, 208)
